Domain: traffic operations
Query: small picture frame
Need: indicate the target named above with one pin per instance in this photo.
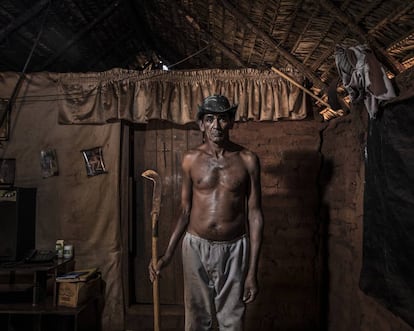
(4, 120)
(94, 161)
(48, 163)
(7, 172)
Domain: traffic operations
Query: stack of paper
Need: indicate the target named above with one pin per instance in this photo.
(78, 275)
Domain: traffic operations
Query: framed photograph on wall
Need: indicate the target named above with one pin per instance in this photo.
(7, 171)
(48, 163)
(94, 161)
(4, 120)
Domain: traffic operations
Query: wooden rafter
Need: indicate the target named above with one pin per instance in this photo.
(388, 60)
(290, 26)
(109, 10)
(405, 7)
(26, 37)
(394, 16)
(304, 30)
(217, 43)
(244, 39)
(341, 36)
(272, 29)
(80, 13)
(180, 39)
(109, 50)
(145, 11)
(285, 54)
(409, 62)
(255, 37)
(396, 45)
(337, 40)
(205, 33)
(23, 19)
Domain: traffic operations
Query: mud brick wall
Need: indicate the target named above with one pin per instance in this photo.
(342, 185)
(313, 184)
(289, 266)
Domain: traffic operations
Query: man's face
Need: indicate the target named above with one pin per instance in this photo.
(216, 126)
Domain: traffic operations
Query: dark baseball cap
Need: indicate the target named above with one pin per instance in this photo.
(216, 104)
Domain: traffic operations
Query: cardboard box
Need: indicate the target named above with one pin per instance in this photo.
(74, 294)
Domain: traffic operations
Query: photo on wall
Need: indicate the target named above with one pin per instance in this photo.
(48, 163)
(94, 161)
(7, 172)
(4, 120)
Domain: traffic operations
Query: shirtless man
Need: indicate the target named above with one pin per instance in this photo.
(221, 220)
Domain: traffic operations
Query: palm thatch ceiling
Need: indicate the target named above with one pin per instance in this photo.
(97, 35)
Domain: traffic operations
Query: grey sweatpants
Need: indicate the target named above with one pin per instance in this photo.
(214, 273)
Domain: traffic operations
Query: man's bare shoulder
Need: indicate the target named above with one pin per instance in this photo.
(194, 152)
(250, 159)
(191, 155)
(247, 153)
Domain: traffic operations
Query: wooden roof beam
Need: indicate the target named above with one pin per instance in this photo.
(138, 19)
(108, 11)
(285, 54)
(398, 44)
(395, 15)
(26, 38)
(144, 10)
(181, 58)
(108, 51)
(15, 24)
(338, 38)
(394, 66)
(217, 43)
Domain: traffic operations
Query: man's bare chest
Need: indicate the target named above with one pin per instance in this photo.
(228, 174)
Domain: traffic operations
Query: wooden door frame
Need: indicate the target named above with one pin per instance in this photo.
(136, 312)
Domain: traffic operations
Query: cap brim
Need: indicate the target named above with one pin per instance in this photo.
(202, 111)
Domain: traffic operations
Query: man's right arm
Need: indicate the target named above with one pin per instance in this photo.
(182, 222)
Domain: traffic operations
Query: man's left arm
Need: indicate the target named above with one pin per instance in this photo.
(255, 219)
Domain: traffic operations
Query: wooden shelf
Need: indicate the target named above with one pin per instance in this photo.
(31, 306)
(5, 288)
(46, 316)
(46, 307)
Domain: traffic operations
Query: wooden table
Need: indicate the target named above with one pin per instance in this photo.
(38, 311)
(40, 273)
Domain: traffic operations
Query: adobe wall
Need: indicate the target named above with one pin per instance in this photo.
(343, 181)
(313, 185)
(289, 266)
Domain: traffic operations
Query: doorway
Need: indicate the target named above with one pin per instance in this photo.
(159, 146)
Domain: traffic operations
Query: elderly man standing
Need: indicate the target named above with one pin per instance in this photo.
(221, 220)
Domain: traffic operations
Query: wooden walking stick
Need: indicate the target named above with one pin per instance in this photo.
(155, 211)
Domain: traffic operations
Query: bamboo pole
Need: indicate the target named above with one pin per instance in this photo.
(328, 113)
(304, 89)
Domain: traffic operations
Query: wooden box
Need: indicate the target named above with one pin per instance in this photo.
(74, 294)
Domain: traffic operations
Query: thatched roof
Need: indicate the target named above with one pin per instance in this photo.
(97, 35)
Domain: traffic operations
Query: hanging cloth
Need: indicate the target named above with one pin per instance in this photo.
(363, 77)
